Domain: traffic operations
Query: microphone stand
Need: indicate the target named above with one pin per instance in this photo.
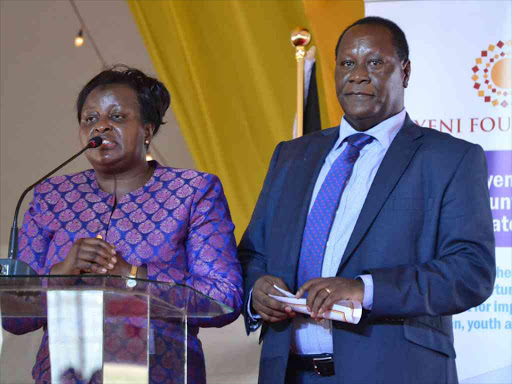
(11, 266)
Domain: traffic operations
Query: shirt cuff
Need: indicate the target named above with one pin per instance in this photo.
(368, 291)
(254, 318)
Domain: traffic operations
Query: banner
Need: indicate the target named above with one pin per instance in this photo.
(461, 84)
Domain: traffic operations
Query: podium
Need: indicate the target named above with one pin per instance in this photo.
(105, 329)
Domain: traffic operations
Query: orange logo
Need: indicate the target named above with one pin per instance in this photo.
(492, 74)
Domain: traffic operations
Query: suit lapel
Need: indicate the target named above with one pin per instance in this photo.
(297, 193)
(394, 164)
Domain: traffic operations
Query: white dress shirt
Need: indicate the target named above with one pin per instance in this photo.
(309, 336)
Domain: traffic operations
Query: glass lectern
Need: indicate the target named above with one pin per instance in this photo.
(104, 329)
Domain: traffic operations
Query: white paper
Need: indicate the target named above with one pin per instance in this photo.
(344, 310)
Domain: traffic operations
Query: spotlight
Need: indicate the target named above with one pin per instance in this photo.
(79, 39)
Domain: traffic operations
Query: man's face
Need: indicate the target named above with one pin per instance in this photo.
(370, 78)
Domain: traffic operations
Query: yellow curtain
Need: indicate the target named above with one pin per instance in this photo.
(328, 19)
(230, 68)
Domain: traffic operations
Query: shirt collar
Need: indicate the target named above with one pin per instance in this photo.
(384, 132)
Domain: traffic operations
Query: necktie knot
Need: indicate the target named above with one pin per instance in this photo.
(359, 140)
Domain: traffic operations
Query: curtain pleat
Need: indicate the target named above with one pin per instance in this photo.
(231, 71)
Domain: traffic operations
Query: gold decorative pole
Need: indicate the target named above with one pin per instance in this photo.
(300, 38)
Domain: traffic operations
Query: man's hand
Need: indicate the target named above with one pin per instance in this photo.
(268, 308)
(323, 293)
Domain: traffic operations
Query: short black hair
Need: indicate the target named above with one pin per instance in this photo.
(397, 35)
(152, 95)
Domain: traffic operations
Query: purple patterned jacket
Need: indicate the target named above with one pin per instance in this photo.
(178, 225)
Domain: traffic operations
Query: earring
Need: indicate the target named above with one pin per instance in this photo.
(146, 142)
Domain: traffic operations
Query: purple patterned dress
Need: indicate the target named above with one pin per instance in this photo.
(178, 225)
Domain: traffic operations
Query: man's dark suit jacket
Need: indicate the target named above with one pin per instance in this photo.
(425, 234)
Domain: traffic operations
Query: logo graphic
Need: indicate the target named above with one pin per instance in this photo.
(493, 74)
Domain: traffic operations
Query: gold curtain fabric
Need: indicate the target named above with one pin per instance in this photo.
(328, 19)
(231, 71)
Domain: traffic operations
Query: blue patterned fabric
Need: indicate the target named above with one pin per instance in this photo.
(178, 225)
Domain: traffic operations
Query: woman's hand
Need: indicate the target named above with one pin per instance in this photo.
(88, 255)
(121, 268)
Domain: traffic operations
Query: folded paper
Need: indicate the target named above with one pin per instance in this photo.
(344, 310)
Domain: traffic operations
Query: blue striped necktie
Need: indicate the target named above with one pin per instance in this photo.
(321, 216)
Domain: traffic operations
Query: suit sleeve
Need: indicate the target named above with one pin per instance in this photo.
(462, 273)
(251, 250)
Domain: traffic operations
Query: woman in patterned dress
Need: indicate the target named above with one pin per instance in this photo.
(173, 224)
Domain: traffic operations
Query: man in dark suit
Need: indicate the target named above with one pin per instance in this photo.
(377, 210)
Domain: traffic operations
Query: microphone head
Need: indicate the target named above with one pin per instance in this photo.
(95, 142)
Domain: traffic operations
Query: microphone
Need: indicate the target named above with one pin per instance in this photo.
(94, 142)
(11, 266)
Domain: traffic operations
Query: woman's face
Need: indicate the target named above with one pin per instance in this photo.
(113, 113)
